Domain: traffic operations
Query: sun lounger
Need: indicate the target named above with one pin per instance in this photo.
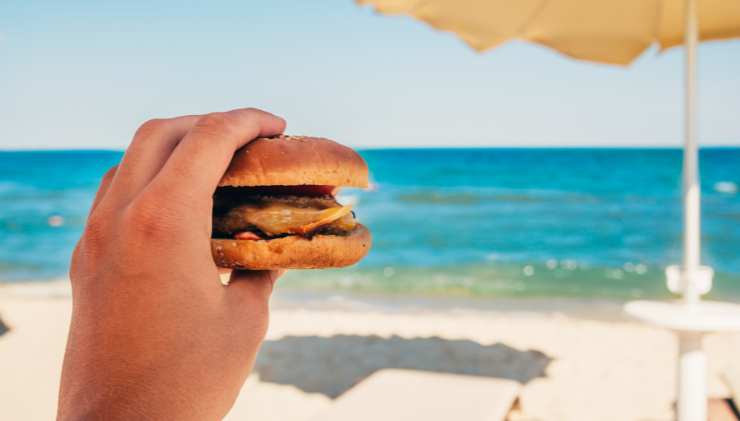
(406, 395)
(728, 408)
(720, 410)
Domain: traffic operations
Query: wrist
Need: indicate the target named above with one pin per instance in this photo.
(135, 400)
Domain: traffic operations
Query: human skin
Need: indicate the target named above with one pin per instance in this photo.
(154, 334)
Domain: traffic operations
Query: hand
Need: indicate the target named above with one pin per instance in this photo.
(154, 333)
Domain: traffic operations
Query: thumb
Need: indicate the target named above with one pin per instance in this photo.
(251, 286)
(248, 300)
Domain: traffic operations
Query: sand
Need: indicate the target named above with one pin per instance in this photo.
(577, 360)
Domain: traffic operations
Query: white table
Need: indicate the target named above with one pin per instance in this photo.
(690, 322)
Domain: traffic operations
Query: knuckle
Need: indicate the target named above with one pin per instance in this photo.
(75, 262)
(250, 112)
(142, 218)
(225, 125)
(248, 116)
(214, 122)
(91, 245)
(149, 127)
(96, 227)
(108, 176)
(85, 260)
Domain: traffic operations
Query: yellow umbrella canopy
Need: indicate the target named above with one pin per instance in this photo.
(606, 31)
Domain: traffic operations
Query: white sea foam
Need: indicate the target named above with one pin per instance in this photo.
(569, 264)
(727, 187)
(528, 270)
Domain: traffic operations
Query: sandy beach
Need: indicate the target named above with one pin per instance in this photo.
(577, 360)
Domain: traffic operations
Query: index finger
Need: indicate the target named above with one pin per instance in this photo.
(201, 158)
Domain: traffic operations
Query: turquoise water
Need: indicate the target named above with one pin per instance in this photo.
(503, 222)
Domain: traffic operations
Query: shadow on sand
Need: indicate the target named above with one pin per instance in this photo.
(3, 327)
(331, 365)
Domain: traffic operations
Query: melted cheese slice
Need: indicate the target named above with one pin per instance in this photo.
(281, 218)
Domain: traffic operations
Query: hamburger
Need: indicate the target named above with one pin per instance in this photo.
(275, 207)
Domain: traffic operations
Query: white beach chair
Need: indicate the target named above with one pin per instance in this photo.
(408, 395)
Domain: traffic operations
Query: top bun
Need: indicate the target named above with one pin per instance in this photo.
(295, 161)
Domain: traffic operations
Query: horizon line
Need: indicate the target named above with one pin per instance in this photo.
(412, 147)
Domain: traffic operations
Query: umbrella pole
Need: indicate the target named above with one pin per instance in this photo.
(691, 189)
(691, 402)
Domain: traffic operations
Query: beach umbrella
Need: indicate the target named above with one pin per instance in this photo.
(616, 32)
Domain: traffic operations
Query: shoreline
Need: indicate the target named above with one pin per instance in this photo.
(428, 287)
(579, 308)
(292, 298)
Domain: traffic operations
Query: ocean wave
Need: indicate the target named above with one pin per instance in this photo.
(566, 278)
(727, 187)
(8, 186)
(472, 198)
(437, 198)
(468, 198)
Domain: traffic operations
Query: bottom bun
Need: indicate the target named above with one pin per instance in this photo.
(293, 252)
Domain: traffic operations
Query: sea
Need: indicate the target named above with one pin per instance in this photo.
(571, 222)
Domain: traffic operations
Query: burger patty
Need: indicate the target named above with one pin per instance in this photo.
(269, 216)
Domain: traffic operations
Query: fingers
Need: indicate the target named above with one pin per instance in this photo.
(152, 145)
(105, 183)
(252, 284)
(201, 158)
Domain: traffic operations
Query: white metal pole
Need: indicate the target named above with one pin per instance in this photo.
(692, 380)
(691, 402)
(691, 190)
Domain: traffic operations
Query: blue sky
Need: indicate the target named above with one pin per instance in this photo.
(77, 74)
